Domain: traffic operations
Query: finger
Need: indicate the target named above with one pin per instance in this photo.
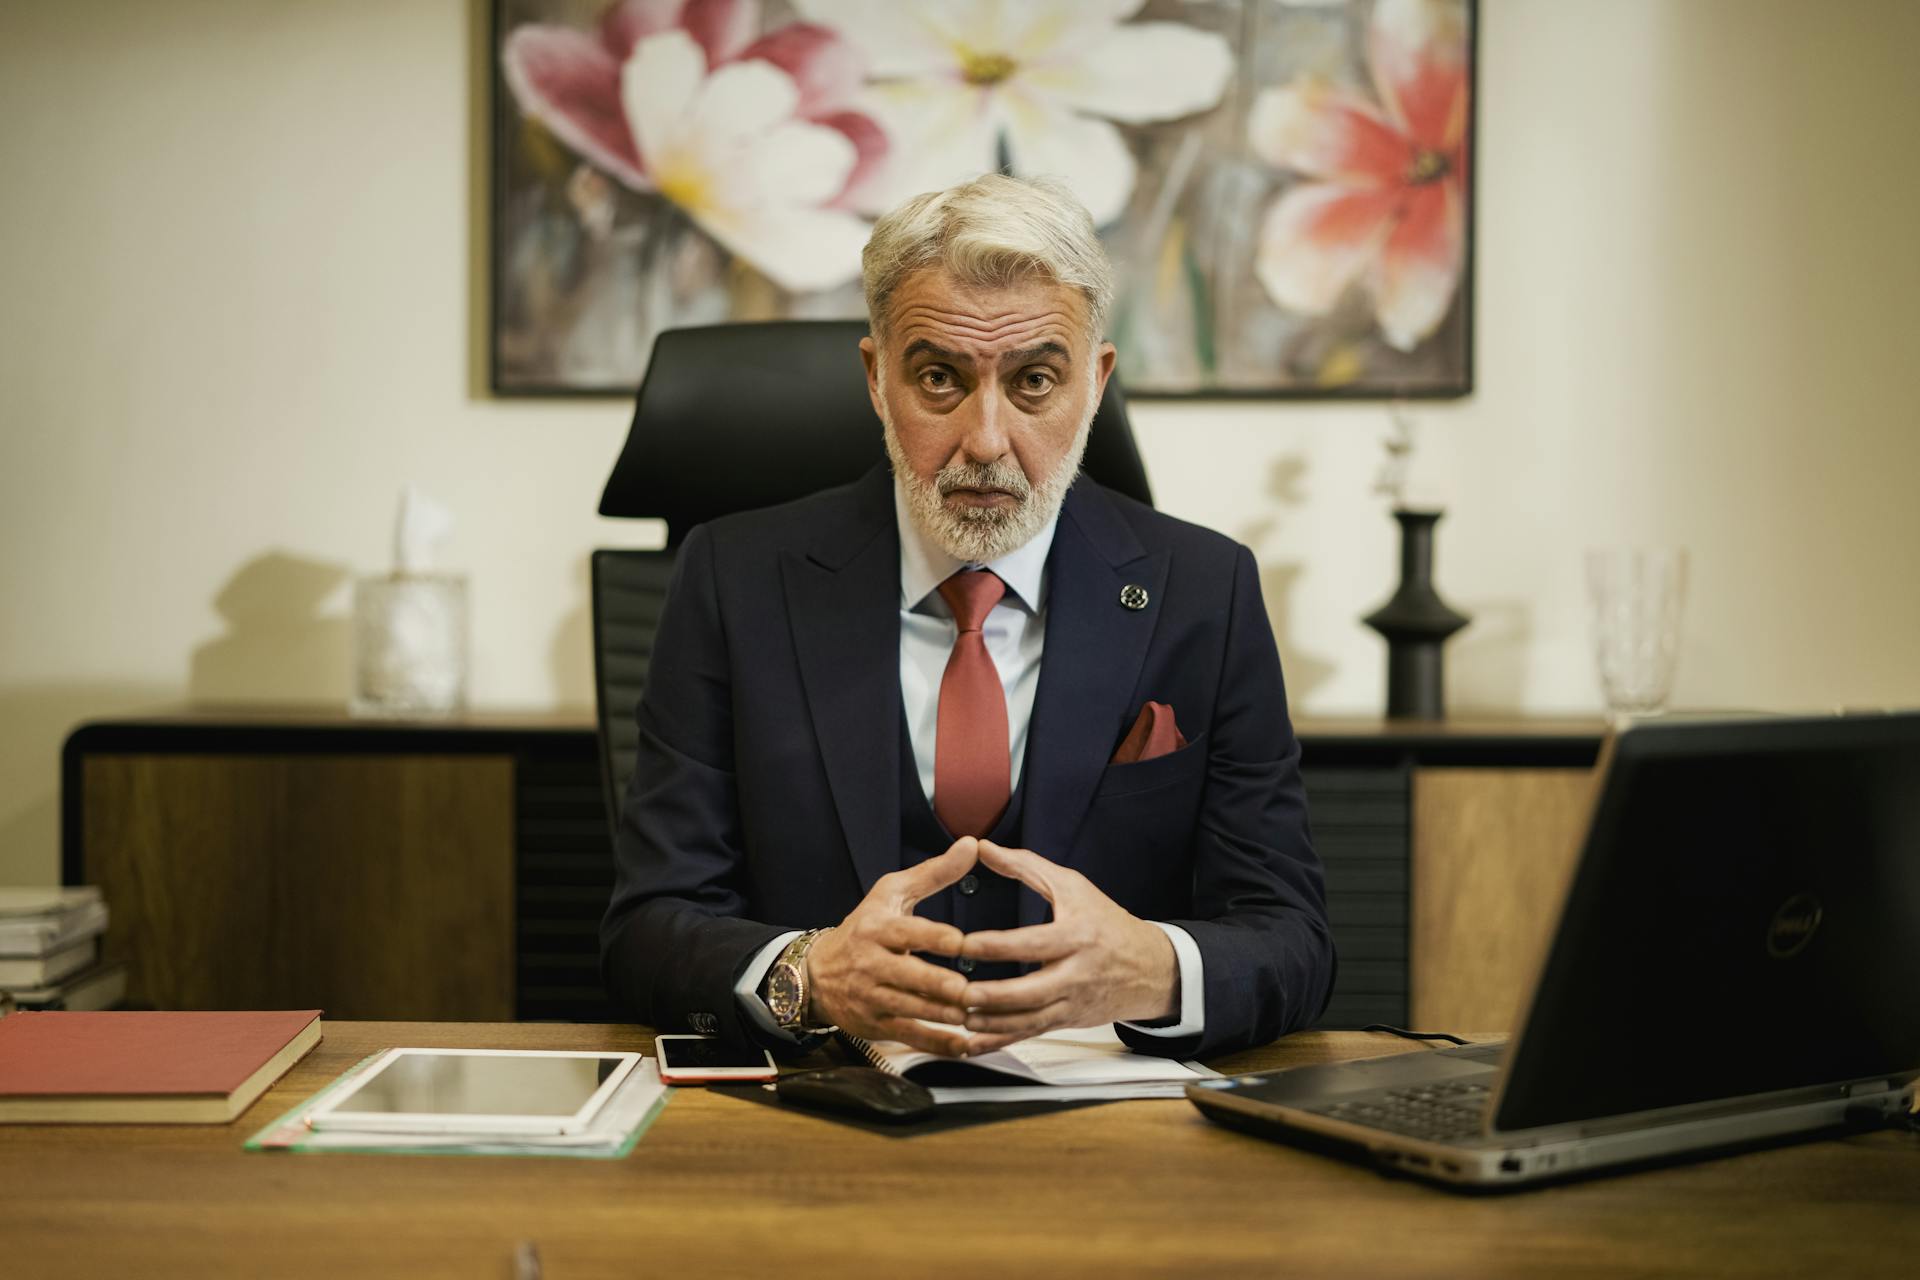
(888, 1002)
(981, 1043)
(1029, 1023)
(1035, 944)
(916, 933)
(1024, 865)
(909, 973)
(951, 1042)
(925, 879)
(1031, 991)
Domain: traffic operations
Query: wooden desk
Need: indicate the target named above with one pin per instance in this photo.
(721, 1188)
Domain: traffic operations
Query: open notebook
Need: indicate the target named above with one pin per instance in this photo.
(1065, 1066)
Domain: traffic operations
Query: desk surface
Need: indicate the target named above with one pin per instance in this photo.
(719, 1188)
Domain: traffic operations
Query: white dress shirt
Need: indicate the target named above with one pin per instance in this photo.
(1015, 633)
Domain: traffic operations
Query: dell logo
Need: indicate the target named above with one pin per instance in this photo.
(1793, 926)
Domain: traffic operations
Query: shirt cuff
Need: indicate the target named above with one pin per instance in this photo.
(1193, 991)
(746, 992)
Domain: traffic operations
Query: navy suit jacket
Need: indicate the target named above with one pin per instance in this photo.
(767, 791)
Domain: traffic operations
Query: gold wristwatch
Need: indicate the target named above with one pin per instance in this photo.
(788, 989)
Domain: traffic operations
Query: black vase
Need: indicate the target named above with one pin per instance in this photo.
(1416, 623)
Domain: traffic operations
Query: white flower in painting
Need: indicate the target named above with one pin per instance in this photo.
(727, 147)
(955, 80)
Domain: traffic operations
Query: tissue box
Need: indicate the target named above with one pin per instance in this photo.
(410, 645)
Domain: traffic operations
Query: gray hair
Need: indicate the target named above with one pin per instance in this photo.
(992, 231)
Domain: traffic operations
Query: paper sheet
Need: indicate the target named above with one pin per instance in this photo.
(1073, 1064)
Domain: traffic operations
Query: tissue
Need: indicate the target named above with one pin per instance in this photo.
(410, 626)
(418, 531)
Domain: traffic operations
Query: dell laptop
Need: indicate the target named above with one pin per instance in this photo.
(1734, 965)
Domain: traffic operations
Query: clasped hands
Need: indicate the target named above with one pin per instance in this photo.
(1098, 963)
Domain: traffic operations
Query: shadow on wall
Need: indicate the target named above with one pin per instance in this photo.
(34, 724)
(1487, 664)
(570, 656)
(1304, 671)
(279, 645)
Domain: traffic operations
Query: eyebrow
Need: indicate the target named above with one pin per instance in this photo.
(923, 347)
(1027, 355)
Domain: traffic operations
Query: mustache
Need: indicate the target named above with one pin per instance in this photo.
(1004, 476)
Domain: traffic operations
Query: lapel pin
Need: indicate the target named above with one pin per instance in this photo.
(1133, 596)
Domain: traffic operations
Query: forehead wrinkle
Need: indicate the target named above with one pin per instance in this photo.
(986, 336)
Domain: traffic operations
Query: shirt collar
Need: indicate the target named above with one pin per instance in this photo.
(924, 565)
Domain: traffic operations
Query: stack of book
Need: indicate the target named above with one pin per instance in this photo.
(50, 951)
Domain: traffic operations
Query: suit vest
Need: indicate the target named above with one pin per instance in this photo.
(983, 899)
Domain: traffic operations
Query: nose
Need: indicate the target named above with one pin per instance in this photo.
(984, 436)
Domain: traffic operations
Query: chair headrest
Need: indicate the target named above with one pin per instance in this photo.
(736, 416)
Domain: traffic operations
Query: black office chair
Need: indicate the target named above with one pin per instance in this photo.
(733, 417)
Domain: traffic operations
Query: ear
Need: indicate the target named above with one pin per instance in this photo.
(870, 356)
(1104, 359)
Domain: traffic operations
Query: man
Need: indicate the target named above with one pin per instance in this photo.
(970, 749)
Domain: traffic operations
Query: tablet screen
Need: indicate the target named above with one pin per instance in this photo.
(426, 1083)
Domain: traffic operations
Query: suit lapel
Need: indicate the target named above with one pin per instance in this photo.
(1094, 651)
(843, 597)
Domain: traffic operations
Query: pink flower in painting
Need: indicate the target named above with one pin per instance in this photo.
(1386, 195)
(755, 139)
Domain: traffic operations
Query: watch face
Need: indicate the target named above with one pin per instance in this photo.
(783, 994)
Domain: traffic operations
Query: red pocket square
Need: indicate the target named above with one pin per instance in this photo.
(1154, 734)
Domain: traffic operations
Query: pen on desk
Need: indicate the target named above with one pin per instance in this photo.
(526, 1261)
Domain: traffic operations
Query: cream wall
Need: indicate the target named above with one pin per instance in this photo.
(237, 283)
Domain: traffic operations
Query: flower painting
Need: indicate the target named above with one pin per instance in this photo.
(1284, 185)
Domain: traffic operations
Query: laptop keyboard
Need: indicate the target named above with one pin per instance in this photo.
(1445, 1111)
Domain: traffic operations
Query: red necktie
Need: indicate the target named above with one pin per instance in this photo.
(971, 764)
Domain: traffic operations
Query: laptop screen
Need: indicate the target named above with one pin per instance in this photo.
(1745, 920)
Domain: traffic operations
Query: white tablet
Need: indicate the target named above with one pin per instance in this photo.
(481, 1091)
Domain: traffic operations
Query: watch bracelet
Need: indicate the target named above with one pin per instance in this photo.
(795, 954)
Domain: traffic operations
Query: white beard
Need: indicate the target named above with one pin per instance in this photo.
(982, 534)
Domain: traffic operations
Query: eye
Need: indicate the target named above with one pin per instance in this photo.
(1036, 381)
(937, 378)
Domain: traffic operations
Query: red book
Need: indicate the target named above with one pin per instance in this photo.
(145, 1068)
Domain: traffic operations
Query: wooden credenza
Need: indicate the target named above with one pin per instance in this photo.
(1447, 845)
(457, 870)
